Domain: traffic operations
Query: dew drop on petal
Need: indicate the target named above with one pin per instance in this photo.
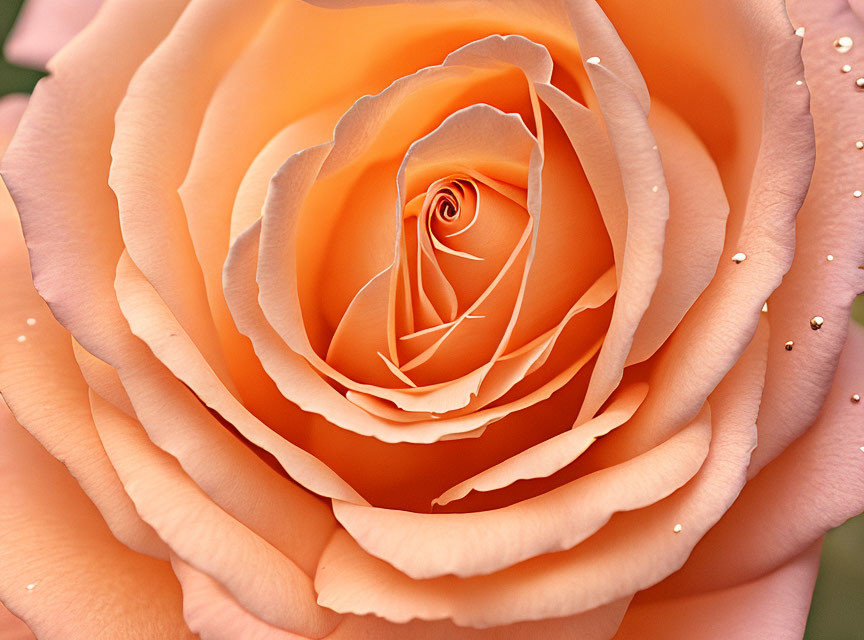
(843, 44)
(593, 60)
(789, 345)
(816, 322)
(739, 257)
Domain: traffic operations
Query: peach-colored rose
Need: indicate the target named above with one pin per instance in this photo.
(433, 320)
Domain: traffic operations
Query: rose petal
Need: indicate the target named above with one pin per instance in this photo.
(694, 232)
(265, 580)
(57, 165)
(44, 388)
(468, 544)
(11, 109)
(554, 454)
(215, 615)
(813, 486)
(634, 549)
(140, 374)
(12, 627)
(44, 26)
(773, 606)
(62, 571)
(798, 381)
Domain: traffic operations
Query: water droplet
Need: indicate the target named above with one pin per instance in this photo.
(789, 345)
(677, 528)
(829, 258)
(31, 322)
(799, 82)
(856, 193)
(31, 586)
(856, 397)
(593, 60)
(816, 322)
(765, 308)
(860, 83)
(21, 338)
(843, 44)
(739, 257)
(859, 144)
(799, 32)
(846, 68)
(655, 188)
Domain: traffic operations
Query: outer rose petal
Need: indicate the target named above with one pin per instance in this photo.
(829, 223)
(215, 615)
(61, 570)
(11, 109)
(814, 486)
(12, 627)
(44, 26)
(774, 606)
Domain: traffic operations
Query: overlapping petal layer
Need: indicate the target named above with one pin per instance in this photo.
(469, 351)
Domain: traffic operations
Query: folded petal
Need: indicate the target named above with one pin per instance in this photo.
(814, 485)
(799, 380)
(61, 569)
(774, 606)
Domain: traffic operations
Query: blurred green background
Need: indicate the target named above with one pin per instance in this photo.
(837, 612)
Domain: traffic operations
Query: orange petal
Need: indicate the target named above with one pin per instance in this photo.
(694, 233)
(552, 455)
(633, 551)
(44, 388)
(267, 582)
(63, 572)
(772, 606)
(59, 163)
(141, 373)
(816, 484)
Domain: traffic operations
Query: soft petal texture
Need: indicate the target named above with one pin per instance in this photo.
(270, 583)
(37, 361)
(44, 26)
(430, 545)
(212, 613)
(12, 627)
(798, 381)
(73, 581)
(141, 172)
(550, 585)
(814, 485)
(773, 606)
(11, 109)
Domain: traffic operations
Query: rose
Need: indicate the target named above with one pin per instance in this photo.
(181, 431)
